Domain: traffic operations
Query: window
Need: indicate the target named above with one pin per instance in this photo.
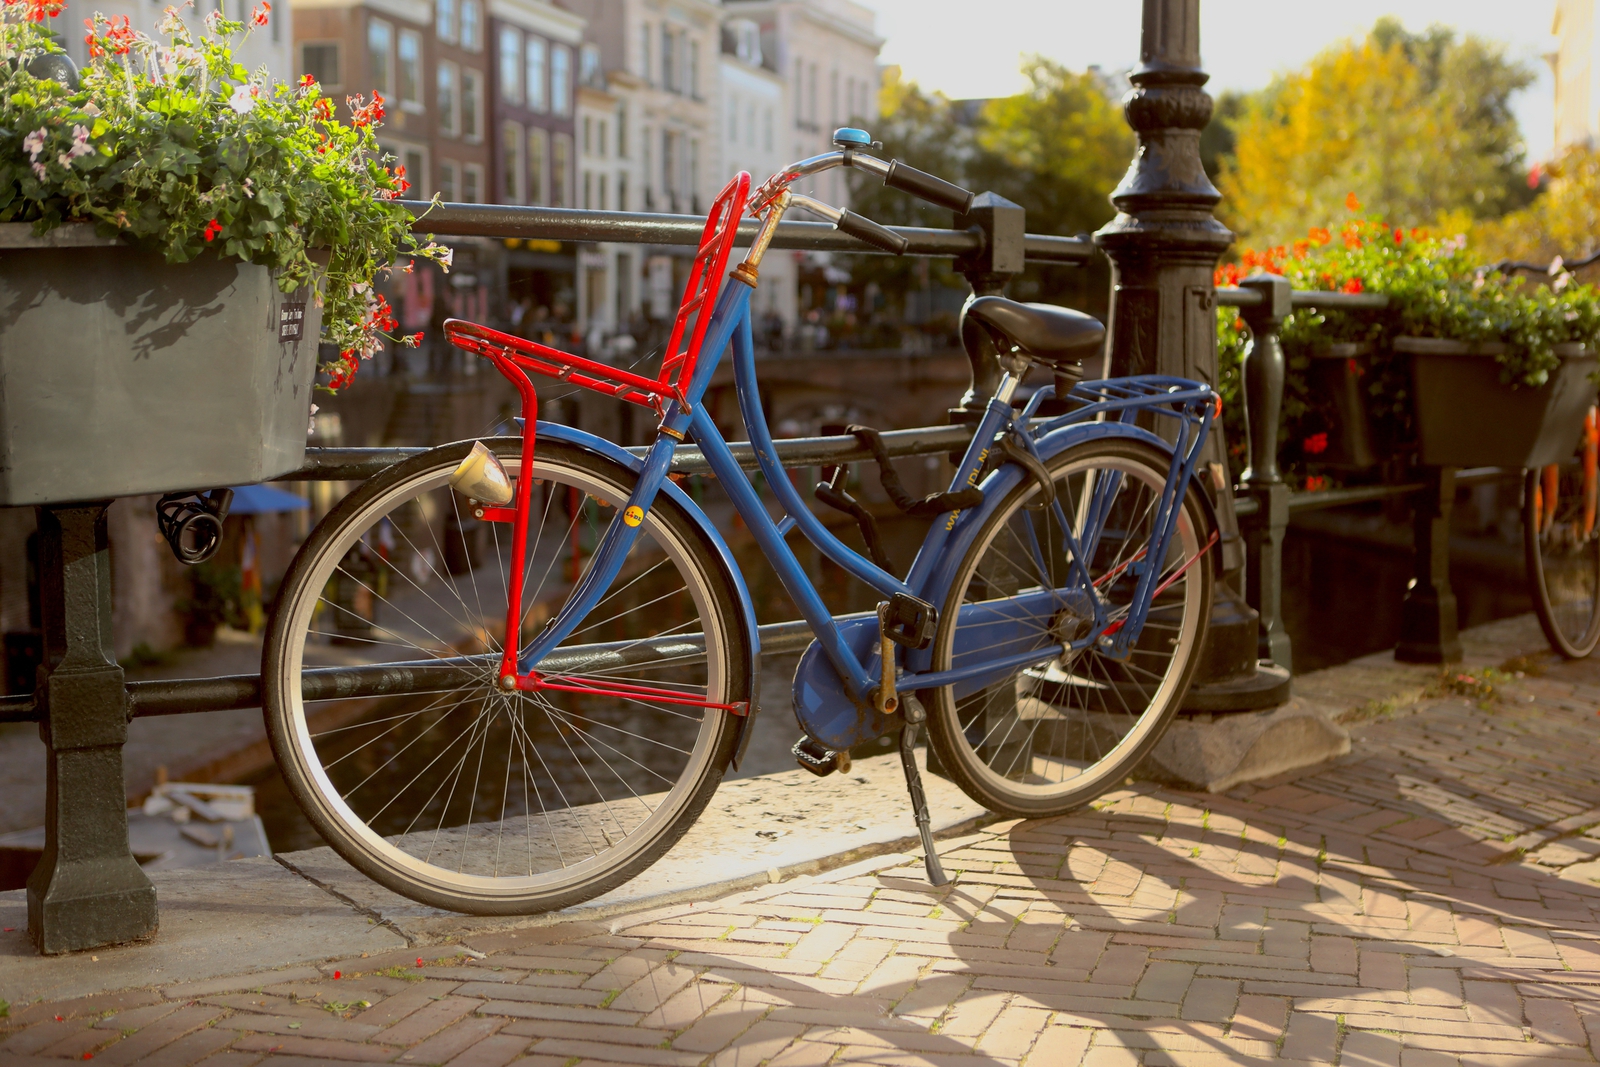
(416, 164)
(601, 202)
(669, 163)
(471, 105)
(447, 180)
(622, 132)
(511, 64)
(561, 79)
(833, 99)
(536, 79)
(602, 139)
(811, 96)
(588, 135)
(444, 24)
(536, 166)
(799, 91)
(471, 25)
(647, 140)
(446, 101)
(694, 174)
(669, 69)
(692, 89)
(588, 191)
(472, 184)
(644, 52)
(561, 171)
(511, 140)
(589, 66)
(321, 61)
(380, 39)
(622, 192)
(410, 69)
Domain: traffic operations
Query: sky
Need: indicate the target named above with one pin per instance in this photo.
(1243, 43)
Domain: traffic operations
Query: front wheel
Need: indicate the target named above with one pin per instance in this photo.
(1044, 739)
(455, 792)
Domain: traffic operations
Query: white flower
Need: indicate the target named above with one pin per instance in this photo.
(1556, 266)
(91, 109)
(214, 19)
(34, 143)
(313, 427)
(243, 99)
(38, 168)
(80, 146)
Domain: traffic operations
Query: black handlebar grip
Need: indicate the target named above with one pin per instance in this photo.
(933, 189)
(859, 226)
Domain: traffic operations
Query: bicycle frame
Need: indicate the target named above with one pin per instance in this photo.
(730, 328)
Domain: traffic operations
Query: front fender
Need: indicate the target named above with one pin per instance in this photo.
(747, 612)
(995, 487)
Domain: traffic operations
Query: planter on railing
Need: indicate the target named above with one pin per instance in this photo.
(121, 374)
(1338, 420)
(1467, 418)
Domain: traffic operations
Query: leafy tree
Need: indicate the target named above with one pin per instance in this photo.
(1419, 125)
(1563, 221)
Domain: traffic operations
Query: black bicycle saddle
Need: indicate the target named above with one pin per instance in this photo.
(1043, 332)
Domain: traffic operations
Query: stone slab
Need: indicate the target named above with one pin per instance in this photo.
(790, 822)
(247, 915)
(1239, 747)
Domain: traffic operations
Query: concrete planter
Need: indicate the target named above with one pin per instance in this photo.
(1467, 418)
(121, 374)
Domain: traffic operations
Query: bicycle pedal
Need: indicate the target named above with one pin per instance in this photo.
(818, 758)
(910, 621)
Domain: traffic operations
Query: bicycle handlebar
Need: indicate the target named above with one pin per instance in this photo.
(864, 229)
(929, 187)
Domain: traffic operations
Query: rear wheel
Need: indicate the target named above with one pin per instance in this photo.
(1561, 546)
(455, 792)
(1044, 739)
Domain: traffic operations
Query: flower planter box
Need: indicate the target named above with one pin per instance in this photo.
(1467, 418)
(121, 374)
(1335, 380)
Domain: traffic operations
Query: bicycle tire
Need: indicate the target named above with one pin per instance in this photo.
(401, 605)
(1088, 741)
(1562, 563)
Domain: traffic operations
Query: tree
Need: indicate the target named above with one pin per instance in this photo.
(1563, 221)
(1417, 125)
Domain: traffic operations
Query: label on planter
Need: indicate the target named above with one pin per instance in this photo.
(291, 320)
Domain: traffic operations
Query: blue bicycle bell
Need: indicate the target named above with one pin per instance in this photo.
(850, 137)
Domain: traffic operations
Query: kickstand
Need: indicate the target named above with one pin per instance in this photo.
(915, 716)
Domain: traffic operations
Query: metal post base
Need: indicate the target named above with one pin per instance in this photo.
(1428, 616)
(87, 890)
(1231, 677)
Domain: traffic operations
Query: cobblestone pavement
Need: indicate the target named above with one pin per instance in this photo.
(1424, 901)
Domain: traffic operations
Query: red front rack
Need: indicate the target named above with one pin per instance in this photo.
(706, 273)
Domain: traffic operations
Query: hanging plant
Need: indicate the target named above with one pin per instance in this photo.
(178, 149)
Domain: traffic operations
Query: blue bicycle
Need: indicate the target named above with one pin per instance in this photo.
(582, 652)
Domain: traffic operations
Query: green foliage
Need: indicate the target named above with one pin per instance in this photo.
(1058, 149)
(1421, 123)
(180, 150)
(215, 595)
(1436, 288)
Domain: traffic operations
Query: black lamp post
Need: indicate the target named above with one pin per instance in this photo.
(1164, 245)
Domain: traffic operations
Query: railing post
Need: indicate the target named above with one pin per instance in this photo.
(1164, 245)
(1263, 402)
(1003, 226)
(1428, 615)
(87, 889)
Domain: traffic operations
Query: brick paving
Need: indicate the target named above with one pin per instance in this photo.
(1425, 901)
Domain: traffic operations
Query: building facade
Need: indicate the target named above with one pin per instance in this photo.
(1576, 66)
(270, 46)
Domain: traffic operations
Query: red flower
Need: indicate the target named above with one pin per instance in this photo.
(337, 976)
(1320, 236)
(212, 229)
(1399, 236)
(1316, 444)
(307, 81)
(1315, 482)
(1352, 286)
(39, 10)
(259, 16)
(1535, 176)
(364, 114)
(322, 111)
(1351, 202)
